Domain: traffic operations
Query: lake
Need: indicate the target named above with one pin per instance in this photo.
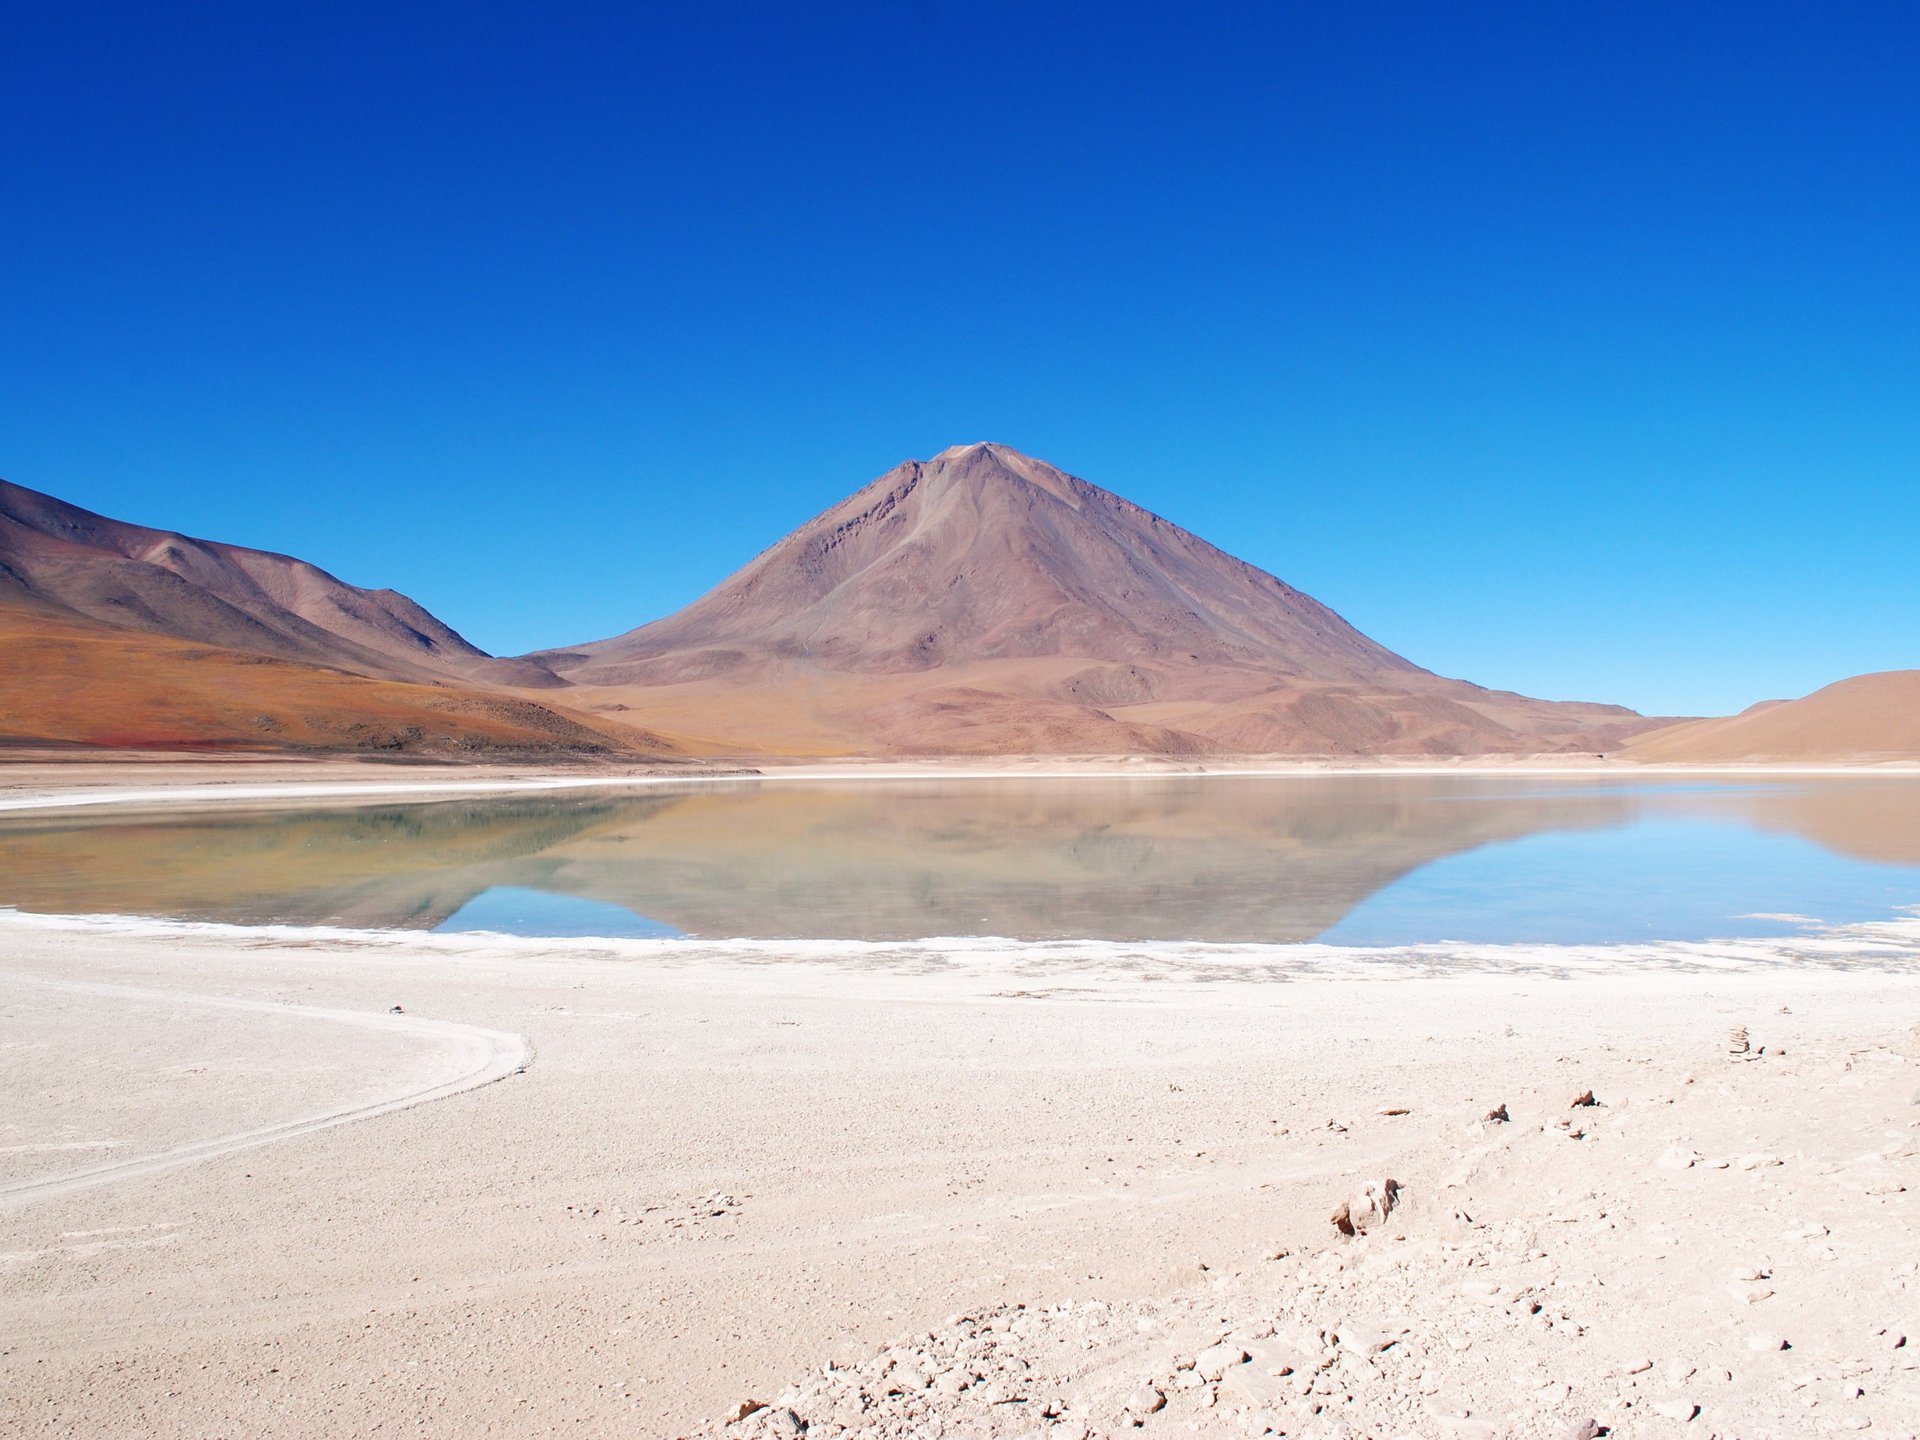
(1350, 860)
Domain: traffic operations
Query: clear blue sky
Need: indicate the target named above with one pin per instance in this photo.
(1568, 347)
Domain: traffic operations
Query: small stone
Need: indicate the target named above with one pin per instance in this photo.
(1764, 1340)
(1498, 1115)
(1737, 1041)
(1362, 1338)
(1144, 1401)
(1252, 1385)
(1584, 1098)
(742, 1410)
(1676, 1409)
(1212, 1362)
(782, 1422)
(1395, 1110)
(1678, 1157)
(1586, 1429)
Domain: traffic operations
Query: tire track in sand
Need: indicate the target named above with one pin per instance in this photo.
(479, 1057)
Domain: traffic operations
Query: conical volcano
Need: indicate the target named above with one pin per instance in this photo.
(981, 554)
(984, 602)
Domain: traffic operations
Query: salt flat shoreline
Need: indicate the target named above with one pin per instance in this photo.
(33, 784)
(1002, 1200)
(999, 1188)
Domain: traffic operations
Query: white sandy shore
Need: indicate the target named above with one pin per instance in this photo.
(726, 1168)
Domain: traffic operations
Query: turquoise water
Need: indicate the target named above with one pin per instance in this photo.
(1374, 860)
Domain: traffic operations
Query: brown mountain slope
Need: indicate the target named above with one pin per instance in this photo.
(1868, 717)
(73, 681)
(985, 602)
(985, 554)
(59, 559)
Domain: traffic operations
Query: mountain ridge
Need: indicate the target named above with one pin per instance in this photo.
(1875, 716)
(986, 601)
(117, 635)
(79, 563)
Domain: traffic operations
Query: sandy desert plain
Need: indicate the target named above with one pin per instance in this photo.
(288, 1182)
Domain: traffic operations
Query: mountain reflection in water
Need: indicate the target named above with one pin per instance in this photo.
(1149, 858)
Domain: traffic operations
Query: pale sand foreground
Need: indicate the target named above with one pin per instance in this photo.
(722, 1171)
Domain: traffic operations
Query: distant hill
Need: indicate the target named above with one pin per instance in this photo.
(82, 683)
(1866, 718)
(61, 560)
(985, 602)
(117, 635)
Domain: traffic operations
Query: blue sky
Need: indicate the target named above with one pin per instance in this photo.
(1569, 348)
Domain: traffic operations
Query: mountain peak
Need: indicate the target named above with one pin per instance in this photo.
(984, 554)
(957, 452)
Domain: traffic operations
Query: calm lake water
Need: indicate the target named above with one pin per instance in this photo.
(1388, 860)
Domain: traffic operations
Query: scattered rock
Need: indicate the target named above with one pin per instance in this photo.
(1359, 1336)
(744, 1409)
(1214, 1360)
(1587, 1429)
(1765, 1340)
(1679, 1157)
(1361, 1212)
(1498, 1115)
(1737, 1041)
(1584, 1098)
(1252, 1385)
(1676, 1409)
(1144, 1401)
